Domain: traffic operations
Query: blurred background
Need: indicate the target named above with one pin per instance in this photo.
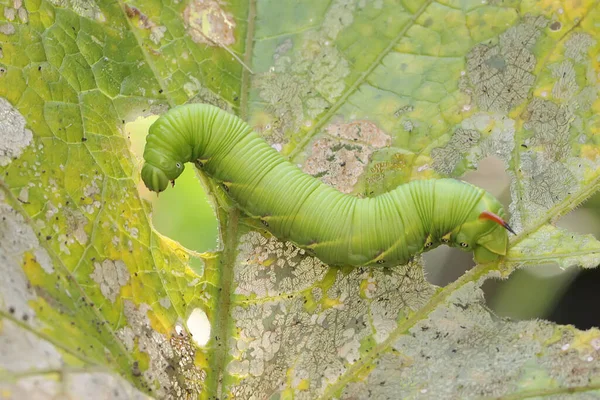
(184, 214)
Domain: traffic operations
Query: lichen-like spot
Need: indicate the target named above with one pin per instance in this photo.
(407, 287)
(480, 136)
(188, 378)
(171, 362)
(339, 15)
(291, 271)
(501, 75)
(304, 82)
(7, 29)
(93, 192)
(576, 250)
(284, 95)
(10, 13)
(307, 327)
(207, 96)
(208, 23)
(111, 276)
(431, 359)
(19, 11)
(577, 46)
(14, 138)
(76, 223)
(84, 8)
(445, 159)
(544, 182)
(499, 140)
(165, 302)
(566, 86)
(23, 14)
(550, 124)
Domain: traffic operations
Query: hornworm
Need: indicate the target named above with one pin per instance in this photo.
(340, 229)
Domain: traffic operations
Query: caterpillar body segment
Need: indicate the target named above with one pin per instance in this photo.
(340, 229)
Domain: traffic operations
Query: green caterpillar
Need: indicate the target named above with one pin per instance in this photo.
(340, 229)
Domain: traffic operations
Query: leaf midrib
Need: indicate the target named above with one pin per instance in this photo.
(359, 81)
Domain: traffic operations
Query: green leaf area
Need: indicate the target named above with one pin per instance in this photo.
(94, 303)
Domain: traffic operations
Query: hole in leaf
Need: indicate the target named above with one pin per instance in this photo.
(528, 293)
(584, 220)
(491, 176)
(183, 212)
(199, 326)
(444, 265)
(576, 305)
(549, 292)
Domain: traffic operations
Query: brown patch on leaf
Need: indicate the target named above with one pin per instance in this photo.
(156, 32)
(208, 23)
(339, 168)
(364, 131)
(555, 26)
(134, 12)
(340, 163)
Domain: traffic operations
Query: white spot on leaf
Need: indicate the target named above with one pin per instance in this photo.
(13, 135)
(111, 276)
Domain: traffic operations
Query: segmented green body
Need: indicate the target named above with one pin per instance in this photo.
(341, 229)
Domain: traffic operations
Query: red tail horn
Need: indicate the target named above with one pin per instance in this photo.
(493, 217)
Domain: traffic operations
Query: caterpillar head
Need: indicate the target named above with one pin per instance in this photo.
(159, 170)
(486, 232)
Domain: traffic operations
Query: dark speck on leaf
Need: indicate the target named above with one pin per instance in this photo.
(135, 369)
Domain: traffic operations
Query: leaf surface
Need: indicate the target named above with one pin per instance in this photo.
(365, 95)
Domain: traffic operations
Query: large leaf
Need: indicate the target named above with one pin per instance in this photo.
(365, 95)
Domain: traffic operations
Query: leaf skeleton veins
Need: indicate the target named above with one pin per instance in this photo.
(340, 229)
